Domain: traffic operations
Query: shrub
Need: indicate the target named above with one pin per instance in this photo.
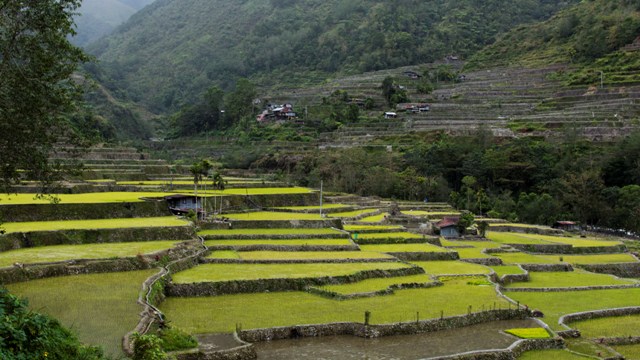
(176, 339)
(148, 347)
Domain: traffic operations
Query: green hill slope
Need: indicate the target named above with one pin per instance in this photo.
(588, 32)
(170, 52)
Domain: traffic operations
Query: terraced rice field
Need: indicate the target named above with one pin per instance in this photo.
(616, 326)
(101, 308)
(399, 248)
(599, 259)
(374, 218)
(267, 310)
(524, 258)
(310, 255)
(388, 235)
(372, 285)
(471, 253)
(226, 272)
(551, 354)
(575, 278)
(353, 214)
(372, 228)
(310, 208)
(451, 267)
(272, 215)
(430, 214)
(507, 270)
(87, 251)
(164, 221)
(628, 351)
(556, 304)
(525, 239)
(270, 232)
(281, 242)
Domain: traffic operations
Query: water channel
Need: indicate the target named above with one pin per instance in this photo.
(403, 347)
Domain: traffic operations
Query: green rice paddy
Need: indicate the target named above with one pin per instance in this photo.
(273, 215)
(518, 238)
(393, 248)
(310, 255)
(226, 272)
(389, 235)
(556, 304)
(523, 258)
(292, 308)
(378, 284)
(507, 270)
(615, 326)
(87, 251)
(599, 259)
(268, 232)
(123, 223)
(451, 267)
(283, 242)
(374, 218)
(224, 254)
(309, 208)
(628, 351)
(569, 279)
(551, 354)
(514, 238)
(353, 228)
(471, 253)
(100, 308)
(529, 333)
(430, 213)
(352, 214)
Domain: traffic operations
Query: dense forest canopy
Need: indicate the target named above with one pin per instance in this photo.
(168, 54)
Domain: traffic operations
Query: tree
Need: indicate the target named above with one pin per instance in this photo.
(36, 90)
(239, 103)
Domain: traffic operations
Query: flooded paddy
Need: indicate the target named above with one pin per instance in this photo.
(402, 347)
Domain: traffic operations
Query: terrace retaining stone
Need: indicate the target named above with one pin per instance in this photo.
(64, 211)
(526, 230)
(623, 340)
(283, 284)
(600, 249)
(425, 256)
(575, 288)
(544, 248)
(596, 314)
(511, 353)
(626, 270)
(484, 261)
(14, 241)
(547, 267)
(388, 291)
(374, 331)
(295, 261)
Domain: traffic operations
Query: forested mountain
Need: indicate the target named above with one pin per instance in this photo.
(580, 34)
(169, 53)
(97, 18)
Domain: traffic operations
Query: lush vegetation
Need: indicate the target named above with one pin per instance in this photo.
(101, 308)
(273, 215)
(215, 43)
(94, 224)
(551, 354)
(269, 232)
(30, 335)
(618, 326)
(529, 333)
(224, 272)
(87, 251)
(451, 267)
(280, 242)
(310, 255)
(265, 309)
(372, 285)
(403, 248)
(569, 279)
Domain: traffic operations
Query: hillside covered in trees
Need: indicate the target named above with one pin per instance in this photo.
(168, 54)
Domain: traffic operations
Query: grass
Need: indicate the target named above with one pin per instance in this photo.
(599, 259)
(529, 333)
(308, 208)
(353, 228)
(372, 285)
(430, 213)
(352, 214)
(101, 308)
(115, 197)
(123, 223)
(226, 272)
(310, 255)
(451, 267)
(617, 326)
(266, 309)
(224, 254)
(389, 235)
(273, 215)
(475, 244)
(580, 242)
(523, 258)
(374, 218)
(268, 232)
(514, 238)
(628, 351)
(530, 226)
(551, 354)
(569, 279)
(556, 304)
(283, 242)
(517, 238)
(87, 251)
(507, 270)
(471, 253)
(389, 248)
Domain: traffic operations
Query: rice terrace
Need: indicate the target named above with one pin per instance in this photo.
(319, 179)
(270, 265)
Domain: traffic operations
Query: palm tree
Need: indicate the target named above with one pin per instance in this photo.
(196, 171)
(205, 168)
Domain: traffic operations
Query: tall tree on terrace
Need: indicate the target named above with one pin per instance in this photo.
(36, 89)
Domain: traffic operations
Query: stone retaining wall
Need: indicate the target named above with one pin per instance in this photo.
(285, 248)
(425, 256)
(544, 248)
(64, 211)
(576, 288)
(388, 291)
(14, 241)
(629, 340)
(484, 261)
(626, 270)
(397, 240)
(511, 353)
(547, 267)
(276, 237)
(588, 315)
(274, 224)
(296, 261)
(286, 284)
(374, 331)
(526, 230)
